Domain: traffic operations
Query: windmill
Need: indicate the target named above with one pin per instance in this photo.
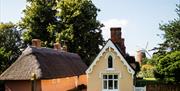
(142, 53)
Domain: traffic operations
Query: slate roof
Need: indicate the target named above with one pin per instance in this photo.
(46, 63)
(129, 59)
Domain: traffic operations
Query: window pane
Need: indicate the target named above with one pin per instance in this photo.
(115, 84)
(104, 76)
(115, 76)
(110, 77)
(105, 84)
(110, 84)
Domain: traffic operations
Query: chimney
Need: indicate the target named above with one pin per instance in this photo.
(123, 47)
(36, 43)
(57, 46)
(116, 38)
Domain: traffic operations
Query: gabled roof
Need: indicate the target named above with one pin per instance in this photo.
(110, 44)
(45, 63)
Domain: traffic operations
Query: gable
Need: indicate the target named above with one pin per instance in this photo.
(110, 45)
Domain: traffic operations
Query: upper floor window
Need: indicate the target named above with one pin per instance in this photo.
(110, 62)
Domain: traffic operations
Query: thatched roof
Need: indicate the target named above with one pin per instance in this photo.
(45, 63)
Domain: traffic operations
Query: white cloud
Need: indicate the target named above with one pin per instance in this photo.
(112, 23)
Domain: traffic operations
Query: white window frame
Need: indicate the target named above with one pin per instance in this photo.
(113, 80)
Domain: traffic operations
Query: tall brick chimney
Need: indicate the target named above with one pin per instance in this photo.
(36, 43)
(117, 39)
(57, 46)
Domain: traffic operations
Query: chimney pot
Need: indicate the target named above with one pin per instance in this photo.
(57, 46)
(36, 43)
(115, 34)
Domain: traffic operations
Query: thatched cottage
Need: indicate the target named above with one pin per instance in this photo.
(45, 69)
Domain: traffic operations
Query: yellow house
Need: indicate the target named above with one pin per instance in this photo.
(110, 71)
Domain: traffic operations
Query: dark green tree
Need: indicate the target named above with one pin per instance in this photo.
(167, 58)
(171, 34)
(10, 45)
(40, 22)
(168, 68)
(80, 28)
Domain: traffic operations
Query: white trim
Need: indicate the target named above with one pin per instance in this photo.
(110, 69)
(109, 45)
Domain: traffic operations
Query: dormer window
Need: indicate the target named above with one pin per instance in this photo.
(110, 62)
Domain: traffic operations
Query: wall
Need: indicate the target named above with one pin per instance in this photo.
(63, 84)
(20, 86)
(60, 84)
(95, 77)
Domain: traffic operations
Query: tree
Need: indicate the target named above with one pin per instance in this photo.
(147, 71)
(40, 21)
(171, 34)
(10, 45)
(80, 28)
(168, 68)
(167, 59)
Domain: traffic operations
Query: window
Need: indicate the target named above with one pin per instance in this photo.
(110, 62)
(110, 82)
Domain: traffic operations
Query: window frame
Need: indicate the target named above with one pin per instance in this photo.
(113, 82)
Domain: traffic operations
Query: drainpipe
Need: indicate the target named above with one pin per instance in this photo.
(33, 82)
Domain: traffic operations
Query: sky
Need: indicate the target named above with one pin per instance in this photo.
(139, 19)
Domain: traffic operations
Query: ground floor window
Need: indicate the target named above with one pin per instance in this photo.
(110, 82)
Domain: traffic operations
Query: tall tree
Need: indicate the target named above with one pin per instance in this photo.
(40, 21)
(80, 28)
(171, 34)
(10, 44)
(167, 59)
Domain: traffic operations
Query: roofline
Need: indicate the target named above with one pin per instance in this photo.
(110, 44)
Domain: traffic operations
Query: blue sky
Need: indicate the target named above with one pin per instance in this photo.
(139, 19)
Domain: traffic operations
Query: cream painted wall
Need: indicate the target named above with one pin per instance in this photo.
(95, 77)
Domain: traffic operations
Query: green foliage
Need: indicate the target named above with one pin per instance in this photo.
(40, 21)
(80, 28)
(171, 34)
(145, 60)
(142, 82)
(167, 58)
(4, 56)
(147, 71)
(168, 68)
(10, 44)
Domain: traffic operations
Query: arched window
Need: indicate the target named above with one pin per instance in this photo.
(110, 62)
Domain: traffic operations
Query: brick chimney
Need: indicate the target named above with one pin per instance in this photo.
(36, 43)
(116, 38)
(57, 46)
